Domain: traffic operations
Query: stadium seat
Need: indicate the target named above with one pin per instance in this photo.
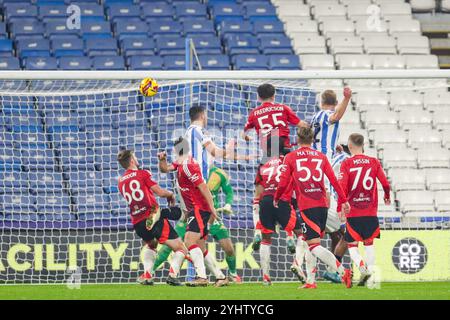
(165, 27)
(26, 27)
(392, 11)
(407, 179)
(9, 63)
(411, 44)
(157, 10)
(16, 11)
(317, 62)
(252, 62)
(346, 44)
(284, 62)
(337, 27)
(138, 62)
(309, 44)
(170, 45)
(302, 26)
(388, 62)
(52, 11)
(187, 9)
(32, 47)
(353, 61)
(437, 179)
(275, 44)
(442, 201)
(293, 9)
(67, 47)
(56, 28)
(433, 158)
(95, 29)
(6, 48)
(38, 159)
(396, 157)
(207, 44)
(433, 101)
(192, 27)
(422, 5)
(137, 46)
(106, 47)
(214, 62)
(232, 26)
(123, 11)
(414, 119)
(358, 11)
(369, 100)
(108, 63)
(401, 101)
(404, 26)
(242, 44)
(389, 136)
(74, 63)
(175, 62)
(264, 27)
(422, 62)
(260, 11)
(362, 29)
(91, 11)
(328, 9)
(225, 11)
(380, 44)
(410, 201)
(130, 28)
(40, 63)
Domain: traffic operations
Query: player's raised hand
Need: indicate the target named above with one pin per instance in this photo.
(347, 92)
(162, 156)
(275, 204)
(226, 209)
(346, 208)
(171, 200)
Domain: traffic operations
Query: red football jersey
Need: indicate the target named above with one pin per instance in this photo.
(134, 185)
(271, 116)
(189, 177)
(307, 168)
(358, 177)
(268, 176)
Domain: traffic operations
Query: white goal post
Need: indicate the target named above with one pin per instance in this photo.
(60, 131)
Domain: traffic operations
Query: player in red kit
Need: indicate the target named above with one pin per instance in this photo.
(267, 180)
(307, 169)
(358, 175)
(274, 119)
(149, 221)
(199, 205)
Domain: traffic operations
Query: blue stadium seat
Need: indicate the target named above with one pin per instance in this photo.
(76, 159)
(265, 27)
(103, 138)
(53, 11)
(14, 182)
(275, 44)
(41, 182)
(250, 62)
(98, 122)
(58, 28)
(108, 63)
(214, 62)
(170, 45)
(145, 63)
(3, 32)
(207, 44)
(74, 63)
(22, 117)
(105, 47)
(137, 46)
(6, 48)
(135, 120)
(131, 28)
(10, 159)
(38, 159)
(29, 139)
(33, 47)
(242, 44)
(61, 121)
(96, 29)
(40, 63)
(91, 11)
(134, 136)
(190, 9)
(22, 205)
(22, 10)
(166, 27)
(27, 27)
(123, 10)
(284, 62)
(68, 139)
(82, 179)
(67, 47)
(260, 11)
(55, 206)
(9, 63)
(224, 11)
(157, 10)
(176, 62)
(94, 202)
(192, 27)
(232, 27)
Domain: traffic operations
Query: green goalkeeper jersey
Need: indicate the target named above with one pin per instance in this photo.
(219, 180)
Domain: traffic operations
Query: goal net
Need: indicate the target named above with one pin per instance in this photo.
(63, 220)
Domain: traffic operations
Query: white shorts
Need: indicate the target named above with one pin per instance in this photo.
(333, 221)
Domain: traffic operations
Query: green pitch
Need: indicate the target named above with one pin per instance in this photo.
(285, 291)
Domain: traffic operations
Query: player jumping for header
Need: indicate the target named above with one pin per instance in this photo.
(307, 168)
(149, 222)
(274, 119)
(358, 177)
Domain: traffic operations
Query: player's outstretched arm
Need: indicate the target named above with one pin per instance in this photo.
(227, 153)
(381, 176)
(164, 166)
(342, 107)
(163, 193)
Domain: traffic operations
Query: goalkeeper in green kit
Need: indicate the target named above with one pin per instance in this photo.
(218, 180)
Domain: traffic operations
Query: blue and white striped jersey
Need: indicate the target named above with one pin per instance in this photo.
(197, 138)
(326, 134)
(336, 165)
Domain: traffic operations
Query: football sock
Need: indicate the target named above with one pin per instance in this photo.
(148, 257)
(311, 267)
(212, 266)
(300, 251)
(265, 257)
(356, 256)
(177, 261)
(231, 262)
(370, 257)
(326, 257)
(198, 261)
(255, 215)
(162, 256)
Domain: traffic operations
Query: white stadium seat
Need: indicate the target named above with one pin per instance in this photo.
(371, 100)
(337, 27)
(397, 83)
(423, 138)
(407, 179)
(358, 11)
(412, 44)
(346, 131)
(422, 62)
(364, 29)
(392, 10)
(308, 43)
(346, 44)
(380, 44)
(404, 26)
(423, 5)
(388, 61)
(301, 26)
(438, 179)
(418, 201)
(324, 84)
(399, 157)
(389, 137)
(354, 61)
(433, 158)
(374, 118)
(442, 201)
(350, 117)
(414, 118)
(293, 9)
(433, 101)
(328, 9)
(445, 5)
(362, 84)
(400, 100)
(441, 119)
(354, 2)
(446, 137)
(317, 62)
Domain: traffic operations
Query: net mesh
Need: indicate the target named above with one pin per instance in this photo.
(61, 215)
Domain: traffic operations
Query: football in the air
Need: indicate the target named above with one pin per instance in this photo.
(148, 87)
